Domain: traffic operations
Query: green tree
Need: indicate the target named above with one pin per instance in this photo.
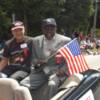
(75, 15)
(4, 24)
(71, 15)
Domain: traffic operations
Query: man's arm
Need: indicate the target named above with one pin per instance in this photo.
(3, 63)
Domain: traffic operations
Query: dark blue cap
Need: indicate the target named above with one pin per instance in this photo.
(49, 21)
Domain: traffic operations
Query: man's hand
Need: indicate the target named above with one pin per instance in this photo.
(40, 64)
(60, 72)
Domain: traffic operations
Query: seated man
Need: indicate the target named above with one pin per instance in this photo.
(46, 47)
(16, 60)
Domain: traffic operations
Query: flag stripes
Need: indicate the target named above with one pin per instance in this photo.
(75, 60)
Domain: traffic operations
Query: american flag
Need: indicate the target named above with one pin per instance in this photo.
(76, 62)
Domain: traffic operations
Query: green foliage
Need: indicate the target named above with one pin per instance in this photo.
(76, 14)
(71, 15)
(4, 24)
(98, 33)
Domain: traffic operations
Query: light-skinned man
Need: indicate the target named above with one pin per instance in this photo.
(16, 60)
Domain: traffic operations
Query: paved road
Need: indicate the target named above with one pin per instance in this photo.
(93, 61)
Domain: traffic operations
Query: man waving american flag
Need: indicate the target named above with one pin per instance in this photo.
(76, 62)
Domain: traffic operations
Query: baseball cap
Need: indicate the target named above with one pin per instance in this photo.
(17, 24)
(49, 21)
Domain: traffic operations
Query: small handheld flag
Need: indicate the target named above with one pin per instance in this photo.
(75, 60)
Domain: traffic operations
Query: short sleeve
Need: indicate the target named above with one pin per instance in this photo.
(6, 52)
